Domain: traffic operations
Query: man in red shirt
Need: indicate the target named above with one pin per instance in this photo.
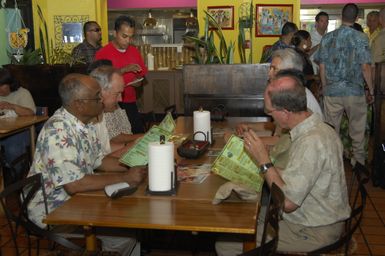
(128, 60)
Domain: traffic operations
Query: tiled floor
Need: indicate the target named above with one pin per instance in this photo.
(370, 237)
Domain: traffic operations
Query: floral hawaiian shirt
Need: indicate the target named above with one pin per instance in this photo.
(343, 51)
(66, 150)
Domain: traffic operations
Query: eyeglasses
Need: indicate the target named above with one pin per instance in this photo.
(95, 30)
(270, 111)
(94, 99)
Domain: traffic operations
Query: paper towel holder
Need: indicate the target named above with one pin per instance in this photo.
(172, 191)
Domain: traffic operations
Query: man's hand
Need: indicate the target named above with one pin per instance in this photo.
(6, 105)
(135, 175)
(135, 68)
(369, 97)
(241, 128)
(256, 148)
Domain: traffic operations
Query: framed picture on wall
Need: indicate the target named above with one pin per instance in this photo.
(224, 15)
(271, 17)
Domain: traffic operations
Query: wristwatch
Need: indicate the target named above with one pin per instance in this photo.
(264, 167)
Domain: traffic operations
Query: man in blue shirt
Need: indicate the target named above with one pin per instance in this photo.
(288, 31)
(344, 58)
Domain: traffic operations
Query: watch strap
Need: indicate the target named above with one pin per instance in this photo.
(264, 167)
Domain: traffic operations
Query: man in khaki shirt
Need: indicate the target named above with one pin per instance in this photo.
(316, 200)
(378, 45)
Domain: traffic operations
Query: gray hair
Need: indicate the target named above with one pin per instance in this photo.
(290, 59)
(103, 75)
(70, 88)
(291, 98)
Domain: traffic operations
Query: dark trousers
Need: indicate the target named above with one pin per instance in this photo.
(133, 116)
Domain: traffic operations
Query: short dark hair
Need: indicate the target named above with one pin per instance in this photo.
(299, 36)
(123, 19)
(373, 13)
(350, 12)
(98, 63)
(7, 78)
(317, 17)
(289, 27)
(292, 99)
(87, 26)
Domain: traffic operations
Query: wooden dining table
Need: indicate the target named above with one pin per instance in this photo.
(12, 125)
(191, 209)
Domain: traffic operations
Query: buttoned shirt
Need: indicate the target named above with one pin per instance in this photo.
(102, 134)
(315, 40)
(85, 52)
(66, 150)
(314, 176)
(343, 52)
(378, 47)
(117, 123)
(276, 46)
(373, 35)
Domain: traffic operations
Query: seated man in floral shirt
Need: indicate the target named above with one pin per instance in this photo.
(68, 151)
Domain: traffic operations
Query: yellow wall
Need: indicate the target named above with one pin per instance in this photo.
(258, 42)
(94, 9)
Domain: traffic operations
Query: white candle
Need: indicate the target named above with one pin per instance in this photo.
(150, 61)
(202, 124)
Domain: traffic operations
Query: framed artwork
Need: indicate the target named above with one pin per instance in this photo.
(271, 17)
(224, 15)
(69, 30)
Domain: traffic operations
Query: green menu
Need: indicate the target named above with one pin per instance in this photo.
(168, 123)
(138, 154)
(235, 164)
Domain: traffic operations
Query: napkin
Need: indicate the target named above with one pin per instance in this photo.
(230, 189)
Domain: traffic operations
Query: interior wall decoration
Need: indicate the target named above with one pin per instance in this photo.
(69, 30)
(271, 17)
(224, 15)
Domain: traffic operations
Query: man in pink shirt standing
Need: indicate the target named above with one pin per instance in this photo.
(128, 60)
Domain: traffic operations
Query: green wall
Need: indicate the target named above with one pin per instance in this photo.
(3, 39)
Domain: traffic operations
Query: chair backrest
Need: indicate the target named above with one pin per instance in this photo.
(148, 120)
(15, 199)
(17, 169)
(358, 202)
(41, 111)
(172, 110)
(272, 218)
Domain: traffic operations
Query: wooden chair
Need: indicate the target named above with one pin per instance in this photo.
(358, 202)
(41, 111)
(272, 218)
(14, 200)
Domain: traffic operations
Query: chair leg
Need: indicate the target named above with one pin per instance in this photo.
(37, 246)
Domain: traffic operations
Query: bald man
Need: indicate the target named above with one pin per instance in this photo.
(313, 181)
(68, 151)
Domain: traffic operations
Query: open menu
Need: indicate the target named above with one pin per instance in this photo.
(168, 123)
(138, 154)
(235, 164)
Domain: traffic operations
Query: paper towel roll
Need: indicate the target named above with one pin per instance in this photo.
(160, 166)
(202, 124)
